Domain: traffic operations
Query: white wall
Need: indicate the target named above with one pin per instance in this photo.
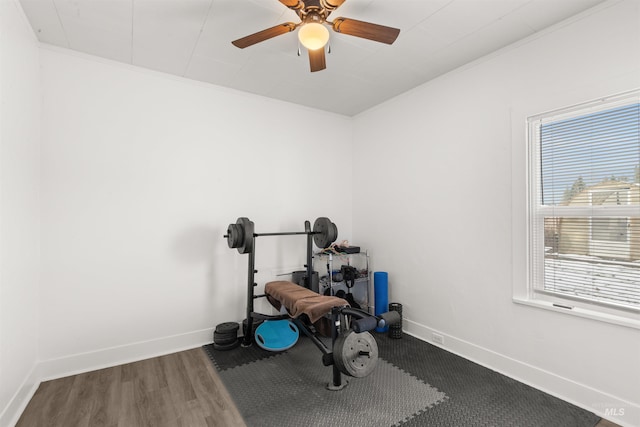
(141, 175)
(19, 208)
(440, 204)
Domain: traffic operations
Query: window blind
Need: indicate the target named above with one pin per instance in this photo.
(585, 216)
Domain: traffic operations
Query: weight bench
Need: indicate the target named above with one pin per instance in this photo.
(298, 300)
(354, 351)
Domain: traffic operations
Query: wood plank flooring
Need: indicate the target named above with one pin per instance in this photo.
(177, 390)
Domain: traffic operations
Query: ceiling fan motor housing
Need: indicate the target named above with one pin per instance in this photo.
(313, 14)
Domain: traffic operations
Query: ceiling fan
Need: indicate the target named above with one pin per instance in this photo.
(313, 34)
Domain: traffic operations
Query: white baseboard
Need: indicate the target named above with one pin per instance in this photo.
(104, 358)
(113, 356)
(610, 407)
(11, 413)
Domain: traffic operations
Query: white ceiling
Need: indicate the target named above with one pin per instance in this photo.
(192, 39)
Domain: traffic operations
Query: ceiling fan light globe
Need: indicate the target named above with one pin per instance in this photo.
(313, 35)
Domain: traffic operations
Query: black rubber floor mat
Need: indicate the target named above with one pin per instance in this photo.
(289, 390)
(477, 396)
(444, 390)
(224, 360)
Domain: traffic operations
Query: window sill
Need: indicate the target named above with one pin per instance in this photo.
(629, 321)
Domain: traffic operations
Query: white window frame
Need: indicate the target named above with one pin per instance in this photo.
(534, 294)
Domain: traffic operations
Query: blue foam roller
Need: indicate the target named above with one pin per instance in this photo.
(381, 295)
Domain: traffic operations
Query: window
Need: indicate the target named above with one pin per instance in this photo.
(584, 206)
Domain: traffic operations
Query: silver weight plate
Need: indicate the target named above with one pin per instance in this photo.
(355, 354)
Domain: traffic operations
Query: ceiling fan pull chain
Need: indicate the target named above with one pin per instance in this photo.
(328, 47)
(299, 53)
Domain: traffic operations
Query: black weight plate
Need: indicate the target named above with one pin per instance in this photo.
(221, 337)
(234, 236)
(225, 347)
(246, 245)
(225, 341)
(333, 233)
(355, 354)
(325, 232)
(224, 335)
(227, 327)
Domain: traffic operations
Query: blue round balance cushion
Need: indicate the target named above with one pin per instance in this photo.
(277, 335)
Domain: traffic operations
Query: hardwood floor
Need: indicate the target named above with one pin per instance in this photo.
(605, 423)
(176, 390)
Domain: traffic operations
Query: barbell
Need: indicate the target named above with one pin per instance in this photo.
(241, 234)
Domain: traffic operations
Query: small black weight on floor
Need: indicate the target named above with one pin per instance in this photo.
(225, 336)
(226, 327)
(224, 339)
(395, 331)
(226, 347)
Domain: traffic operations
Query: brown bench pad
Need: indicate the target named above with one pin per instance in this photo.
(299, 300)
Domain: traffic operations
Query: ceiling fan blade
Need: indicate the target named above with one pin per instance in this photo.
(263, 35)
(293, 4)
(317, 59)
(331, 5)
(366, 30)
